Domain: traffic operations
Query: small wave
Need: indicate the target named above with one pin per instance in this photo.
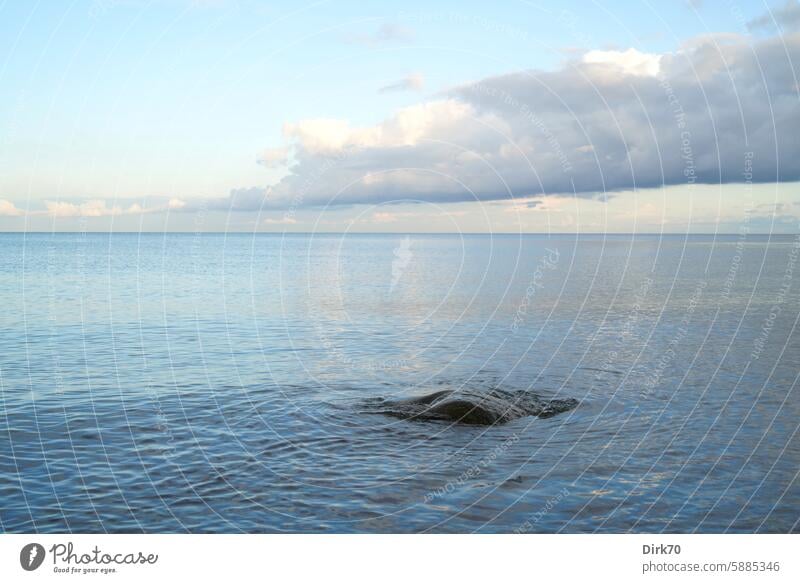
(605, 370)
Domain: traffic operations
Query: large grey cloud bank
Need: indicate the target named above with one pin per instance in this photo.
(721, 109)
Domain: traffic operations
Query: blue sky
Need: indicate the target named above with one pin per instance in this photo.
(170, 105)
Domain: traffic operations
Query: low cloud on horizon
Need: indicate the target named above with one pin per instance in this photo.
(720, 109)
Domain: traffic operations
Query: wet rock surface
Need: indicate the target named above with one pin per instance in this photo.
(472, 408)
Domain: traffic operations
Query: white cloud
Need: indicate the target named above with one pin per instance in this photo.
(607, 121)
(406, 128)
(274, 157)
(90, 208)
(389, 216)
(630, 62)
(100, 208)
(319, 135)
(8, 209)
(412, 82)
(281, 221)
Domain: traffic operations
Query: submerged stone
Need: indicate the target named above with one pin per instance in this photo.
(473, 408)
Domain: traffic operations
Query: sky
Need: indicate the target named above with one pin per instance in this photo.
(512, 116)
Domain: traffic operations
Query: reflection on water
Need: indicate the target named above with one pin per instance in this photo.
(212, 383)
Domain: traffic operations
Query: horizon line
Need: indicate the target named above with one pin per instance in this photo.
(560, 233)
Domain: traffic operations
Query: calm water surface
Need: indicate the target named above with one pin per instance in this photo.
(215, 383)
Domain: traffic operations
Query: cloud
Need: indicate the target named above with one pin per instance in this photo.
(274, 157)
(413, 82)
(407, 127)
(606, 121)
(779, 209)
(630, 62)
(8, 209)
(389, 217)
(786, 17)
(90, 208)
(99, 208)
(280, 221)
(388, 32)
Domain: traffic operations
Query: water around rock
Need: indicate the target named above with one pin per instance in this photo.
(244, 409)
(472, 408)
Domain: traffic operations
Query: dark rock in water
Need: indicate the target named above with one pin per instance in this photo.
(473, 408)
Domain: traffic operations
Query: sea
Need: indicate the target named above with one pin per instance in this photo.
(217, 382)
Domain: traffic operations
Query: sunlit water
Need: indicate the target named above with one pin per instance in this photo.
(213, 383)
